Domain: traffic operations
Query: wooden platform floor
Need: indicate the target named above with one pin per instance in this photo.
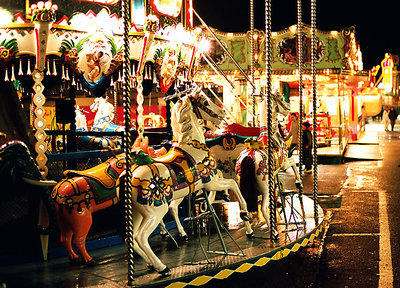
(188, 263)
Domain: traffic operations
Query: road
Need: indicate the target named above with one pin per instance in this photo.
(362, 245)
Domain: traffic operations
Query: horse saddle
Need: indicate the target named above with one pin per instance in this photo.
(100, 173)
(181, 164)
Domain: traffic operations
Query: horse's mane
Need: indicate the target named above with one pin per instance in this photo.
(181, 121)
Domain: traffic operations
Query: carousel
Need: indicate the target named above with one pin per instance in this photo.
(85, 141)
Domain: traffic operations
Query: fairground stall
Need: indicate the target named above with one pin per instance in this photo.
(83, 79)
(342, 84)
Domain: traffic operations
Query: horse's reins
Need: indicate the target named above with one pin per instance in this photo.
(197, 104)
(275, 97)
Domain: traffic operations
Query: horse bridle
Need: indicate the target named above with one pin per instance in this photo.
(278, 100)
(196, 104)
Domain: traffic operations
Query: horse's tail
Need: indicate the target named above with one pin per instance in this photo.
(247, 183)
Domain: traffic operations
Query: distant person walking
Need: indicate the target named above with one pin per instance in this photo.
(385, 118)
(307, 145)
(294, 133)
(393, 116)
(363, 117)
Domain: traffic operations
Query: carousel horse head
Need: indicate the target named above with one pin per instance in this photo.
(80, 119)
(105, 111)
(188, 110)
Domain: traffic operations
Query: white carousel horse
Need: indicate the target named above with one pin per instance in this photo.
(105, 110)
(252, 163)
(80, 119)
(104, 116)
(279, 106)
(188, 167)
(103, 119)
(90, 142)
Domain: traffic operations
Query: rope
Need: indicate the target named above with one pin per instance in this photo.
(128, 141)
(268, 71)
(314, 92)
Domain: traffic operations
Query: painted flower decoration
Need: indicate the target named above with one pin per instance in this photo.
(71, 55)
(209, 165)
(151, 24)
(8, 49)
(119, 57)
(5, 53)
(44, 12)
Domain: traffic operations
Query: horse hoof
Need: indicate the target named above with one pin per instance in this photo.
(183, 237)
(90, 263)
(165, 236)
(245, 216)
(151, 268)
(166, 272)
(250, 236)
(299, 185)
(75, 262)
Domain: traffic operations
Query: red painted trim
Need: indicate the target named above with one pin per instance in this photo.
(145, 39)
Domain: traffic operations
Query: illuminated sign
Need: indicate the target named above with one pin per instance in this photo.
(387, 71)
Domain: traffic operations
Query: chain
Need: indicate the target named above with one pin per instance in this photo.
(128, 141)
(268, 70)
(314, 92)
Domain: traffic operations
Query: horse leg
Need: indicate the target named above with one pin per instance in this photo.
(81, 223)
(151, 219)
(211, 196)
(163, 230)
(137, 219)
(222, 184)
(263, 188)
(66, 237)
(289, 162)
(297, 174)
(173, 209)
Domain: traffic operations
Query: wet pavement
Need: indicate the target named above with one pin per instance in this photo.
(361, 248)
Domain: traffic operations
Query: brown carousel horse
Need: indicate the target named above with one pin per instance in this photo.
(79, 195)
(82, 193)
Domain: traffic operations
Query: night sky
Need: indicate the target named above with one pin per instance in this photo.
(377, 22)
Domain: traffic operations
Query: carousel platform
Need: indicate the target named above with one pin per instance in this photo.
(202, 260)
(367, 146)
